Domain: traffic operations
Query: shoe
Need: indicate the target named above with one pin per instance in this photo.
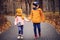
(40, 35)
(18, 37)
(22, 37)
(36, 37)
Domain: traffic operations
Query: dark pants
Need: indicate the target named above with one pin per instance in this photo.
(36, 25)
(20, 29)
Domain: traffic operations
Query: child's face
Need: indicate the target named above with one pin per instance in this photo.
(36, 6)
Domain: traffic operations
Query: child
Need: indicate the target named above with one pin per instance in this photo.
(36, 16)
(19, 21)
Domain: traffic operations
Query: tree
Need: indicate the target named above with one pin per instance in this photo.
(1, 6)
(59, 7)
(53, 5)
(14, 6)
(40, 3)
(26, 4)
(21, 3)
(29, 2)
(49, 5)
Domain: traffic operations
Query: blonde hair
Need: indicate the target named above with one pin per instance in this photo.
(19, 13)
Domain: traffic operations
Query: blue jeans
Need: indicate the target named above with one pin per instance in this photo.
(36, 25)
(20, 29)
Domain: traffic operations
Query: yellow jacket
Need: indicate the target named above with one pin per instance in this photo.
(36, 16)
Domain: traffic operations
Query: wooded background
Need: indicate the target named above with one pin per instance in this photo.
(9, 6)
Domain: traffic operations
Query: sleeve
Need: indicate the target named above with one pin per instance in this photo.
(15, 22)
(23, 15)
(42, 16)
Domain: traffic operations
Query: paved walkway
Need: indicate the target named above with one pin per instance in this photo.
(47, 32)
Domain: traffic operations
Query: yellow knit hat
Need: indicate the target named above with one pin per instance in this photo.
(18, 11)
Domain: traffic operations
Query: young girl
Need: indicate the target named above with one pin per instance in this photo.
(36, 16)
(19, 21)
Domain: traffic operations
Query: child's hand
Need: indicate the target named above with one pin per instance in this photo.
(43, 21)
(26, 19)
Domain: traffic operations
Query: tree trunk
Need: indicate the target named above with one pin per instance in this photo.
(49, 5)
(1, 6)
(26, 6)
(29, 2)
(21, 3)
(53, 6)
(14, 6)
(41, 3)
(59, 7)
(29, 7)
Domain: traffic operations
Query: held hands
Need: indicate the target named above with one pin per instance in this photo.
(43, 21)
(26, 19)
